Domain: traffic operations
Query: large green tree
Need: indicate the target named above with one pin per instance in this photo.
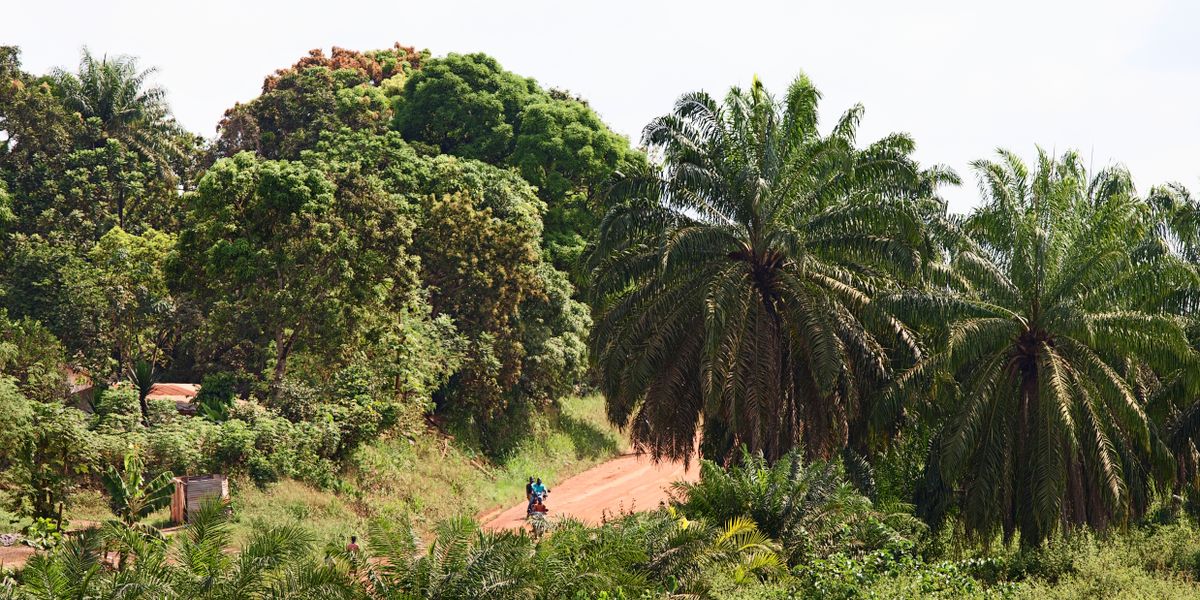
(84, 153)
(140, 314)
(276, 255)
(570, 155)
(1056, 305)
(34, 124)
(477, 233)
(319, 93)
(466, 105)
(737, 292)
(469, 106)
(47, 281)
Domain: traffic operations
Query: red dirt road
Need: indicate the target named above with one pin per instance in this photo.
(628, 482)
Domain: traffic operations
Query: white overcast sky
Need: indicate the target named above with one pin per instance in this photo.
(1120, 81)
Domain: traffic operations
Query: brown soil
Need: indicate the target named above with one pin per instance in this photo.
(628, 483)
(15, 556)
(12, 557)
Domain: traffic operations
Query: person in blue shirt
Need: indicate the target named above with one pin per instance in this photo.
(537, 493)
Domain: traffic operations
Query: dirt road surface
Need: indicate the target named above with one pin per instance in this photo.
(15, 556)
(628, 482)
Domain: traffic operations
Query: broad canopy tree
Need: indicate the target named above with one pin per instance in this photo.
(140, 312)
(84, 152)
(477, 230)
(319, 93)
(274, 253)
(469, 106)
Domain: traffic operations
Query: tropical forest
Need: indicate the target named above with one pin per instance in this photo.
(317, 350)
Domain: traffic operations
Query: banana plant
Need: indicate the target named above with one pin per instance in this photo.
(131, 495)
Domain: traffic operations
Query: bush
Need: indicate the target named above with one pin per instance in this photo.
(50, 460)
(180, 447)
(358, 407)
(216, 395)
(162, 412)
(117, 409)
(31, 354)
(810, 508)
(232, 443)
(296, 401)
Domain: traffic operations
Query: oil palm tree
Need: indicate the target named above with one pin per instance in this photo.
(735, 288)
(461, 562)
(115, 91)
(811, 509)
(1173, 400)
(276, 562)
(1058, 298)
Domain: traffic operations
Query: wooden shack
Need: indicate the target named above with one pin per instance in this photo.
(192, 492)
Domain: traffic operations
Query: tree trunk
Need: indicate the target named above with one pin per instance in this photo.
(145, 409)
(283, 347)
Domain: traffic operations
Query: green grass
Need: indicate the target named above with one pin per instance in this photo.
(425, 479)
(431, 477)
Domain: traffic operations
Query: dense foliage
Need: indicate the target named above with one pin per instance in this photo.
(1061, 315)
(737, 293)
(387, 246)
(309, 233)
(467, 105)
(791, 530)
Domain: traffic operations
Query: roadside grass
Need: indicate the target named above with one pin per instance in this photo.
(431, 477)
(425, 479)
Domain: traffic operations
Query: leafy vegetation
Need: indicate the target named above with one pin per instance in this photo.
(1061, 291)
(399, 278)
(737, 291)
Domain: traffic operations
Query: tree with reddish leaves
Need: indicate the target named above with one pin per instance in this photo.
(319, 93)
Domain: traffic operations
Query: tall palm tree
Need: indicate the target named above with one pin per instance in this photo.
(115, 91)
(1058, 299)
(735, 291)
(1173, 400)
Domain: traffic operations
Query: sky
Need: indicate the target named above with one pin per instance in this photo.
(1117, 80)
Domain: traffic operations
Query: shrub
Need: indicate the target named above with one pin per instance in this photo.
(50, 461)
(358, 407)
(181, 447)
(117, 409)
(296, 401)
(232, 444)
(162, 412)
(215, 397)
(811, 509)
(31, 354)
